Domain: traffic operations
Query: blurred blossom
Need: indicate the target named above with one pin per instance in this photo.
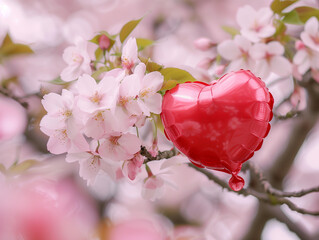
(310, 36)
(45, 210)
(13, 118)
(136, 229)
(153, 188)
(255, 25)
(238, 51)
(203, 44)
(305, 58)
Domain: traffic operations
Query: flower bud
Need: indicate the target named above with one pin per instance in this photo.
(204, 44)
(104, 42)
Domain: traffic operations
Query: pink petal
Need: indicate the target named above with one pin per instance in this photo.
(275, 48)
(229, 50)
(152, 82)
(246, 16)
(75, 157)
(52, 103)
(311, 26)
(130, 142)
(242, 43)
(154, 103)
(86, 85)
(258, 51)
(281, 66)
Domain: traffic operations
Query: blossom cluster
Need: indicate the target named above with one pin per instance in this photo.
(96, 121)
(263, 46)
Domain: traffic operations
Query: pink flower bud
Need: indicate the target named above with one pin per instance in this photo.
(204, 44)
(104, 42)
(299, 45)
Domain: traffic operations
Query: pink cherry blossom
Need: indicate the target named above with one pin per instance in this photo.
(310, 35)
(269, 59)
(138, 92)
(95, 96)
(119, 147)
(255, 25)
(104, 42)
(305, 58)
(91, 164)
(61, 140)
(153, 188)
(78, 61)
(132, 166)
(59, 110)
(238, 52)
(129, 54)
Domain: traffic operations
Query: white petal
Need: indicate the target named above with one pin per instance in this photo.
(130, 86)
(86, 85)
(258, 51)
(154, 103)
(52, 122)
(275, 48)
(242, 43)
(130, 142)
(140, 70)
(71, 73)
(229, 50)
(262, 69)
(280, 66)
(264, 16)
(80, 156)
(311, 26)
(245, 16)
(152, 81)
(300, 57)
(52, 103)
(250, 35)
(89, 169)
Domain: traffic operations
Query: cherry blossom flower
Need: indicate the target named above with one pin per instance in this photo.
(238, 52)
(78, 61)
(138, 92)
(269, 59)
(61, 140)
(255, 25)
(59, 110)
(310, 35)
(119, 147)
(104, 42)
(97, 96)
(91, 164)
(129, 54)
(132, 166)
(153, 188)
(305, 58)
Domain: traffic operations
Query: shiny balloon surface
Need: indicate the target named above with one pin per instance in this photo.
(220, 125)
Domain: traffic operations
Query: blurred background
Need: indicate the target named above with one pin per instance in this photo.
(50, 196)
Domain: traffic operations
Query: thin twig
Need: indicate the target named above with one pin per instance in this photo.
(160, 155)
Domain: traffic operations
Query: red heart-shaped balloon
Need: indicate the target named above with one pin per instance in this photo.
(220, 125)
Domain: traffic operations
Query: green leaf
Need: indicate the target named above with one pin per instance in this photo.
(292, 18)
(143, 43)
(280, 28)
(151, 66)
(98, 54)
(277, 6)
(128, 28)
(97, 73)
(23, 166)
(174, 76)
(2, 168)
(305, 13)
(231, 30)
(58, 81)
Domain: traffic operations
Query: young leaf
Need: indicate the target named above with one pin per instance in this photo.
(97, 73)
(98, 54)
(151, 66)
(277, 6)
(9, 48)
(305, 13)
(143, 43)
(58, 81)
(128, 28)
(174, 76)
(231, 30)
(292, 18)
(23, 166)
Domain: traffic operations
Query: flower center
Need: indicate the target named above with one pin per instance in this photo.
(77, 58)
(114, 140)
(96, 98)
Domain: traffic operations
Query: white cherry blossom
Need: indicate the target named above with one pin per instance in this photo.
(269, 59)
(95, 96)
(78, 61)
(133, 166)
(129, 54)
(119, 147)
(153, 188)
(310, 35)
(255, 25)
(238, 52)
(305, 58)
